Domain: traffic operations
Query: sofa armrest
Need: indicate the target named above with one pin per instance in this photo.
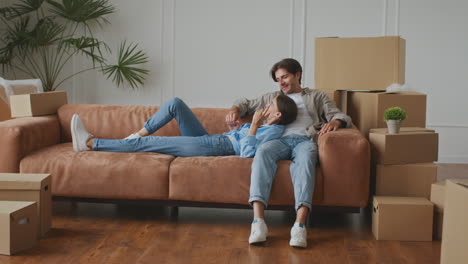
(344, 157)
(19, 137)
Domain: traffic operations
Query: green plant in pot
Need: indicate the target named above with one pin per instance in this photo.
(394, 116)
(40, 37)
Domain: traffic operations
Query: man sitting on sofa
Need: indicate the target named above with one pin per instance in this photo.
(317, 115)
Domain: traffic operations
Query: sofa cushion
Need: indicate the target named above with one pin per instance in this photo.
(227, 180)
(101, 174)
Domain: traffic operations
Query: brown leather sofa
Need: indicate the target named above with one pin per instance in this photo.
(43, 145)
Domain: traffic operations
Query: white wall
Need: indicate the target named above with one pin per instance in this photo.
(210, 52)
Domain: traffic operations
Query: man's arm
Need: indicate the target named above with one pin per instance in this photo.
(334, 117)
(245, 106)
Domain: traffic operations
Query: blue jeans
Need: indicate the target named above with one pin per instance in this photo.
(194, 141)
(303, 153)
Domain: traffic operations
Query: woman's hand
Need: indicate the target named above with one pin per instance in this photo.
(260, 115)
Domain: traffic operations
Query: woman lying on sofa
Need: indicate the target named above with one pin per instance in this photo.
(195, 141)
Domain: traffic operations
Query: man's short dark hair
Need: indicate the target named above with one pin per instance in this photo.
(287, 108)
(289, 64)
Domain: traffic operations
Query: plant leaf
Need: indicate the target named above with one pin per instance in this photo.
(90, 47)
(125, 71)
(81, 11)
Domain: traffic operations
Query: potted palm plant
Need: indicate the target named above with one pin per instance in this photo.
(394, 116)
(40, 37)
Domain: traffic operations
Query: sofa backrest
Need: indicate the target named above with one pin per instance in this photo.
(116, 122)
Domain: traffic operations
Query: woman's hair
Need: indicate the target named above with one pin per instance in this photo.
(287, 108)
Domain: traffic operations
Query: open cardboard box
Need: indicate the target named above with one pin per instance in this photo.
(36, 104)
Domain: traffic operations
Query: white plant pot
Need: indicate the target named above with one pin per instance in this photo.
(393, 126)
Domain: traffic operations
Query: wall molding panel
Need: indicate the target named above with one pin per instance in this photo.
(168, 51)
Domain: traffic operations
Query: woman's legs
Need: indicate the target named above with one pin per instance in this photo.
(175, 108)
(216, 145)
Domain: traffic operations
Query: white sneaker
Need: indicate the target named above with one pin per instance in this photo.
(79, 134)
(258, 232)
(132, 136)
(298, 236)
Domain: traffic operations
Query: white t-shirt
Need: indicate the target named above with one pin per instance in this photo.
(303, 119)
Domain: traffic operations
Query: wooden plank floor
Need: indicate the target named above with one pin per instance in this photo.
(109, 233)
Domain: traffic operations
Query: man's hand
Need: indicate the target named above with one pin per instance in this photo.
(232, 119)
(331, 126)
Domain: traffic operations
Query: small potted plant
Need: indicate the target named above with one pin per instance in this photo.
(393, 116)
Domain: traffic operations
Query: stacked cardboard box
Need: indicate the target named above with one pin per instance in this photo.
(16, 188)
(360, 70)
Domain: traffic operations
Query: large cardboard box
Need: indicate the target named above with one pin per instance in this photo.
(412, 180)
(359, 63)
(411, 145)
(454, 247)
(366, 109)
(37, 104)
(402, 218)
(30, 187)
(18, 226)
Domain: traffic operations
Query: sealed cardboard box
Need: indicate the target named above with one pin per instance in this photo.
(411, 145)
(402, 218)
(30, 187)
(438, 195)
(412, 180)
(37, 104)
(366, 109)
(18, 226)
(359, 63)
(454, 247)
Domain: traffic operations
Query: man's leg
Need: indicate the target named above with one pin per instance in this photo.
(304, 156)
(263, 172)
(174, 109)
